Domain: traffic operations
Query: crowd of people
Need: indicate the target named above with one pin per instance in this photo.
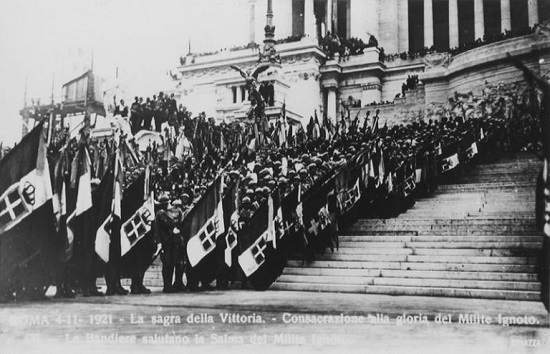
(410, 84)
(185, 167)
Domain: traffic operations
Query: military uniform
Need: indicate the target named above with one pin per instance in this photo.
(167, 223)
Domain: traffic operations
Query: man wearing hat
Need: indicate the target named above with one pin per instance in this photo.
(167, 233)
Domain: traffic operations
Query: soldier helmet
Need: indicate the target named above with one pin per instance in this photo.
(246, 200)
(163, 199)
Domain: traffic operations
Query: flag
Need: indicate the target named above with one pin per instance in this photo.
(109, 208)
(390, 182)
(253, 241)
(418, 174)
(84, 203)
(231, 216)
(275, 218)
(27, 222)
(410, 184)
(472, 150)
(60, 201)
(374, 128)
(381, 169)
(138, 212)
(449, 163)
(205, 223)
(25, 185)
(348, 198)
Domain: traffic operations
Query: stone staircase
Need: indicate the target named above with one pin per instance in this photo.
(473, 238)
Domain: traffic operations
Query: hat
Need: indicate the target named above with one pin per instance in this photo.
(258, 190)
(303, 171)
(185, 195)
(163, 199)
(249, 191)
(246, 200)
(177, 202)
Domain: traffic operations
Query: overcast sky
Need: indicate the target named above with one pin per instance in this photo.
(52, 41)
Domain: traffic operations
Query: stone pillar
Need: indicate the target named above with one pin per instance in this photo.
(335, 15)
(428, 24)
(332, 104)
(252, 21)
(505, 19)
(328, 17)
(310, 29)
(403, 11)
(238, 96)
(348, 19)
(453, 23)
(388, 25)
(533, 11)
(479, 20)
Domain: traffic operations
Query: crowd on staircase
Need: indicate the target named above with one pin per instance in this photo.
(314, 180)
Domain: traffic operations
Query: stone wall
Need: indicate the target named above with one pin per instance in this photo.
(472, 70)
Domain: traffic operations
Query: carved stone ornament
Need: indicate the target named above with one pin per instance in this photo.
(437, 60)
(542, 32)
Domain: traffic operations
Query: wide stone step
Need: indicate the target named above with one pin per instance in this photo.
(429, 266)
(506, 171)
(439, 252)
(455, 292)
(410, 291)
(456, 228)
(396, 248)
(442, 232)
(397, 273)
(476, 245)
(397, 241)
(443, 222)
(428, 259)
(332, 288)
(485, 186)
(348, 241)
(413, 282)
(508, 177)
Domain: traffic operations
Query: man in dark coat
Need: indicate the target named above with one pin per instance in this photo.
(168, 234)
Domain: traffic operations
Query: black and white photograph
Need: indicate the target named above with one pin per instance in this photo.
(275, 176)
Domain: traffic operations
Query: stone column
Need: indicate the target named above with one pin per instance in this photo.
(428, 24)
(238, 95)
(252, 21)
(403, 13)
(505, 19)
(328, 17)
(453, 23)
(310, 29)
(479, 20)
(533, 11)
(332, 104)
(335, 15)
